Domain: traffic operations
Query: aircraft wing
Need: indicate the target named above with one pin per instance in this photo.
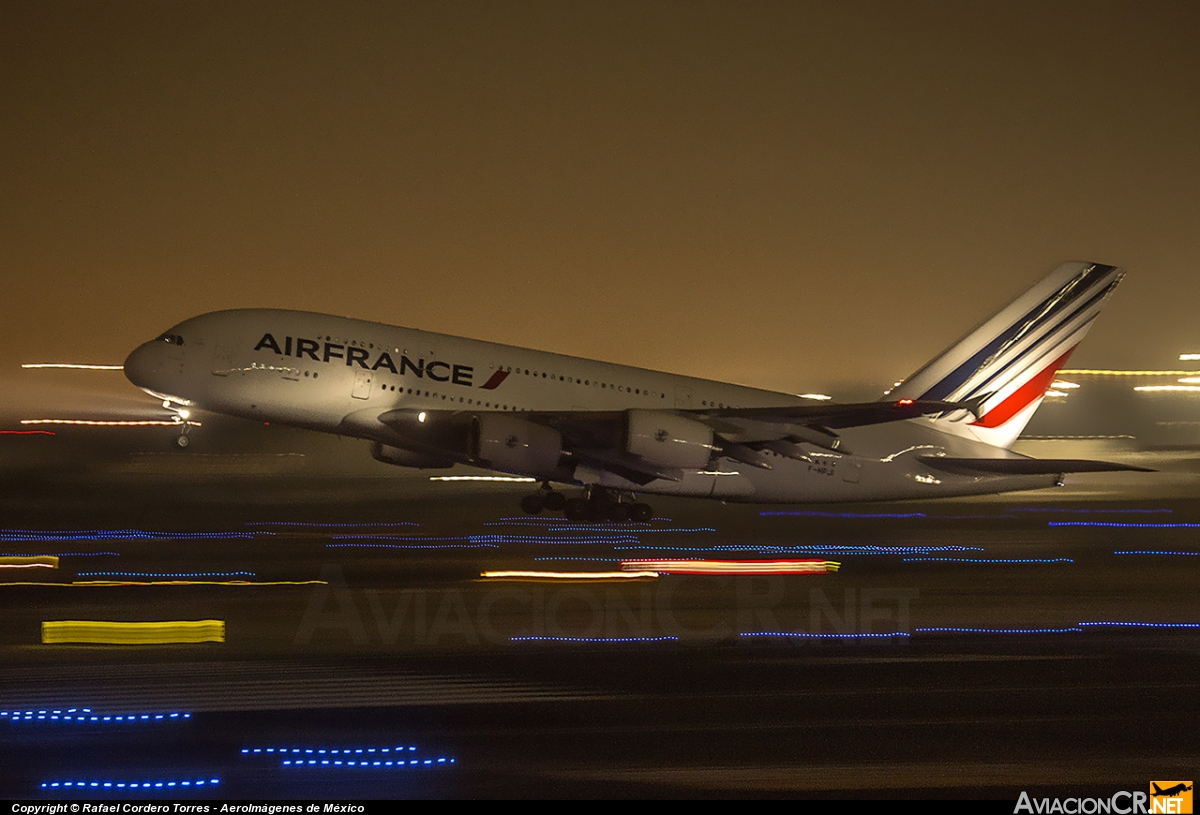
(815, 424)
(831, 415)
(767, 422)
(598, 438)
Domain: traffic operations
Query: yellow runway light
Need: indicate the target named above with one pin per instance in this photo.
(98, 632)
(75, 365)
(520, 575)
(28, 561)
(690, 566)
(519, 479)
(114, 423)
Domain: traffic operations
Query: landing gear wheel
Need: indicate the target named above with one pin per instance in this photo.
(182, 442)
(619, 513)
(554, 501)
(576, 509)
(532, 504)
(640, 513)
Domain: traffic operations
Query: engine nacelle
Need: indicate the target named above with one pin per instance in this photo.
(407, 458)
(668, 440)
(515, 445)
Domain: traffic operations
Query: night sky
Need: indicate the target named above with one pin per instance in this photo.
(794, 196)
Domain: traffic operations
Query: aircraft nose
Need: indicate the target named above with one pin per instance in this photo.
(142, 367)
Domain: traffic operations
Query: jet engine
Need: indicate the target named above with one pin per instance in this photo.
(407, 458)
(667, 440)
(514, 445)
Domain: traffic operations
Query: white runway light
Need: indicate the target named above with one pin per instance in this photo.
(74, 366)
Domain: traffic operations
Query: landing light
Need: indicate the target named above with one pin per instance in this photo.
(421, 416)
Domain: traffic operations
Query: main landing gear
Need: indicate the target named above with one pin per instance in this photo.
(595, 505)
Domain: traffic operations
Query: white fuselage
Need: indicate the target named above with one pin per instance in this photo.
(338, 375)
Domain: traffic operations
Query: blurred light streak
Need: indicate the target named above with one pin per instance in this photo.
(814, 549)
(383, 763)
(306, 524)
(1188, 357)
(1125, 525)
(1141, 625)
(28, 562)
(412, 546)
(401, 756)
(115, 423)
(74, 554)
(952, 630)
(400, 748)
(520, 479)
(1094, 437)
(133, 785)
(166, 574)
(804, 635)
(526, 520)
(1149, 552)
(1062, 384)
(630, 527)
(990, 560)
(119, 534)
(73, 365)
(535, 575)
(26, 432)
(595, 639)
(1065, 510)
(538, 539)
(196, 583)
(591, 559)
(822, 514)
(1168, 388)
(685, 566)
(87, 715)
(103, 632)
(820, 397)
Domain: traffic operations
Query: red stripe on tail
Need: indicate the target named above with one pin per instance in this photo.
(1024, 396)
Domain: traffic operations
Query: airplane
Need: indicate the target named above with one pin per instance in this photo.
(1170, 792)
(431, 400)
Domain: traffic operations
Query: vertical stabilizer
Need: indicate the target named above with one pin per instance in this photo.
(1005, 366)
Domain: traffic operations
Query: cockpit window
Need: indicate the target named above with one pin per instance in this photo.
(171, 339)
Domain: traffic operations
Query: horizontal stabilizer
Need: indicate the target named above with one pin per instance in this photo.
(1025, 466)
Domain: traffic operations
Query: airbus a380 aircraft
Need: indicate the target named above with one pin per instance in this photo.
(432, 400)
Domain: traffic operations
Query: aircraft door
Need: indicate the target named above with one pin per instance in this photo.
(683, 398)
(362, 384)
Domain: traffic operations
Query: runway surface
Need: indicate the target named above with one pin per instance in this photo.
(1045, 643)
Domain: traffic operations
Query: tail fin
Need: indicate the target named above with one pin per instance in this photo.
(1004, 367)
